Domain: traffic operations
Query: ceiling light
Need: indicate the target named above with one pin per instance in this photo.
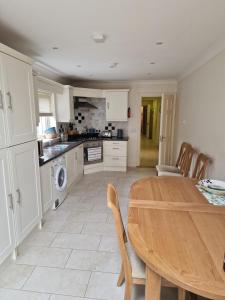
(98, 37)
(79, 66)
(159, 43)
(55, 48)
(149, 74)
(152, 63)
(114, 65)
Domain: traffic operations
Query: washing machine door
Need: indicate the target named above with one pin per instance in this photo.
(60, 178)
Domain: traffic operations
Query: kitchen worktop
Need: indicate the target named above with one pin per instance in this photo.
(60, 148)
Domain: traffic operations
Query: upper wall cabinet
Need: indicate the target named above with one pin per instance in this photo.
(116, 105)
(16, 101)
(65, 105)
(83, 92)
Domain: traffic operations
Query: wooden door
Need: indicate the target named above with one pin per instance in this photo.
(2, 109)
(166, 129)
(19, 97)
(26, 186)
(6, 209)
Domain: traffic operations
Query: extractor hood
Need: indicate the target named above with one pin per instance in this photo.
(81, 102)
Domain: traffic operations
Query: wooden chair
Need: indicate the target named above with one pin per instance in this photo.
(184, 161)
(175, 169)
(132, 267)
(201, 166)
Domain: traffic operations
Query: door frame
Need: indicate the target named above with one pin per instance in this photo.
(150, 94)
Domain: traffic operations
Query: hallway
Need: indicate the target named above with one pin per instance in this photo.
(149, 153)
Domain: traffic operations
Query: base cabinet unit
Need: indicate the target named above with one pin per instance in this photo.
(116, 105)
(74, 164)
(46, 186)
(6, 209)
(26, 188)
(115, 155)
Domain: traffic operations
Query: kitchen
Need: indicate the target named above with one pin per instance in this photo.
(80, 216)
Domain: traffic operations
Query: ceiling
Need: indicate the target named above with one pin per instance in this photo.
(187, 28)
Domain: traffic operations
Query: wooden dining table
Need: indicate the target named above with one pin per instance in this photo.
(179, 236)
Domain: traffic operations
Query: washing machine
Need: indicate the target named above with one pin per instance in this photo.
(59, 181)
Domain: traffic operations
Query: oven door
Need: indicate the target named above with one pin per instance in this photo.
(93, 153)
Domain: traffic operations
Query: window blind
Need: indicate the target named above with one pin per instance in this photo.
(45, 104)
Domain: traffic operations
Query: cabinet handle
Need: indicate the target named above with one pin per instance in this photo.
(19, 196)
(10, 201)
(52, 171)
(76, 155)
(1, 101)
(116, 148)
(10, 100)
(115, 158)
(108, 105)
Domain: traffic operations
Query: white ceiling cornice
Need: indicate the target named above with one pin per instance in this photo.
(212, 52)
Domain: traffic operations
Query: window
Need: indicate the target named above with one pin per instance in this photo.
(46, 112)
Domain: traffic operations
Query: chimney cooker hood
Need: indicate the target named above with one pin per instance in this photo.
(81, 102)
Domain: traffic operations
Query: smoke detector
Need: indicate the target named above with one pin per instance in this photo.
(98, 37)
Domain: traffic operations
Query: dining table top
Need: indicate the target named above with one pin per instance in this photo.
(178, 234)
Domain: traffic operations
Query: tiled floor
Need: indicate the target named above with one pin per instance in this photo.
(75, 256)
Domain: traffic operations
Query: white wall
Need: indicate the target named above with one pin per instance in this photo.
(201, 113)
(138, 90)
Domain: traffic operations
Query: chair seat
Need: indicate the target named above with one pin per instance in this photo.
(167, 168)
(137, 265)
(164, 173)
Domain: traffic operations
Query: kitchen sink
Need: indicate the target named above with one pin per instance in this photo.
(59, 147)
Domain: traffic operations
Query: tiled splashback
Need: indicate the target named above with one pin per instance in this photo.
(95, 118)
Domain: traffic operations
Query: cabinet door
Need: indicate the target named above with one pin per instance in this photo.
(116, 105)
(80, 160)
(71, 166)
(26, 186)
(19, 98)
(6, 207)
(46, 186)
(2, 109)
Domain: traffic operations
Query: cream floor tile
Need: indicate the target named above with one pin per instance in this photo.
(53, 225)
(14, 276)
(72, 227)
(103, 286)
(87, 217)
(94, 261)
(6, 294)
(40, 238)
(77, 241)
(109, 244)
(99, 229)
(58, 281)
(59, 297)
(43, 256)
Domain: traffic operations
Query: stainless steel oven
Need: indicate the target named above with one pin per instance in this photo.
(93, 152)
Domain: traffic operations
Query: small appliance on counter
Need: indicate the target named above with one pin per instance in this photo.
(120, 133)
(106, 133)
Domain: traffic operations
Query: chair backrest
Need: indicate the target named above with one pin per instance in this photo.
(201, 165)
(113, 203)
(186, 160)
(181, 155)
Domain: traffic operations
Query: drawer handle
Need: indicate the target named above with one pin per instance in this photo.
(116, 148)
(115, 158)
(10, 201)
(19, 196)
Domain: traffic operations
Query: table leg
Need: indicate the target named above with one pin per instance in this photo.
(152, 285)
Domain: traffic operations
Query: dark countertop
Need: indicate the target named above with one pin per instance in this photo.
(58, 149)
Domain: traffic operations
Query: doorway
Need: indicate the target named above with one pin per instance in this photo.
(150, 131)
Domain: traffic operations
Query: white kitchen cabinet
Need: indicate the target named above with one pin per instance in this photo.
(116, 105)
(2, 110)
(74, 164)
(18, 99)
(115, 155)
(46, 186)
(25, 181)
(65, 105)
(6, 209)
(85, 92)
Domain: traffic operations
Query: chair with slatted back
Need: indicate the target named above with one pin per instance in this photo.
(201, 166)
(175, 169)
(132, 267)
(185, 163)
